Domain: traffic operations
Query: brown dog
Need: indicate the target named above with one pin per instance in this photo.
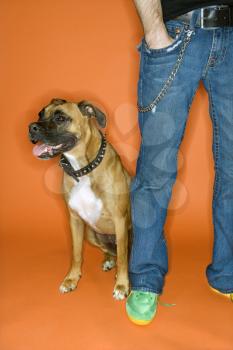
(95, 185)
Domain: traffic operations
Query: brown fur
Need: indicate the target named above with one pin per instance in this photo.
(109, 181)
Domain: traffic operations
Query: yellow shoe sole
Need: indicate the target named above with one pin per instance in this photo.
(139, 322)
(226, 295)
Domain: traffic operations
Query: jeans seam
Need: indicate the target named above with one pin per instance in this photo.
(215, 141)
(210, 56)
(190, 103)
(133, 220)
(182, 136)
(225, 46)
(141, 115)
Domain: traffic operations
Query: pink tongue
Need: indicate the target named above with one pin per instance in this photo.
(39, 149)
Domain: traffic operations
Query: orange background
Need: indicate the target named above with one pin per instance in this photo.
(87, 49)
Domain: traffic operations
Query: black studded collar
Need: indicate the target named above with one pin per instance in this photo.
(67, 167)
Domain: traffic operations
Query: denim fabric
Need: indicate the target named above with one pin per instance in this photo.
(208, 57)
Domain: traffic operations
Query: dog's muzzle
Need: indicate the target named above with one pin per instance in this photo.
(51, 143)
(34, 130)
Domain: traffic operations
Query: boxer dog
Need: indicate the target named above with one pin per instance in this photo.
(95, 185)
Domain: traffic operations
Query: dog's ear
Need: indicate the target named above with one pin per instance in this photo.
(57, 101)
(91, 111)
(41, 113)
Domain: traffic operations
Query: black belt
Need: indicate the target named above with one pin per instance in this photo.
(211, 17)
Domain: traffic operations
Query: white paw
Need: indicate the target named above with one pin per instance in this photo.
(120, 292)
(108, 265)
(67, 286)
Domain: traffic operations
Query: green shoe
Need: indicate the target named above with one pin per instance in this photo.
(141, 306)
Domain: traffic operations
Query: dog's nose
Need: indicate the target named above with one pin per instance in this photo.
(34, 132)
(34, 128)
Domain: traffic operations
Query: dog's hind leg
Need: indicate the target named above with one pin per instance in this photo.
(91, 237)
(109, 262)
(107, 243)
(70, 282)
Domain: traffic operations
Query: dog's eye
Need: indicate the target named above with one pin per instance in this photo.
(59, 118)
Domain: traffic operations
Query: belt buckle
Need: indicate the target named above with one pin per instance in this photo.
(218, 7)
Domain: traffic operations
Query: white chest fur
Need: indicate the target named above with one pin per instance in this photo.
(82, 199)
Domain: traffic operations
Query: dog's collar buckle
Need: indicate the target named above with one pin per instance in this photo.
(67, 167)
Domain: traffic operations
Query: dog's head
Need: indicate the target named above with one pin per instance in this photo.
(62, 125)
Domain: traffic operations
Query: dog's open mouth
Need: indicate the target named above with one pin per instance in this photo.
(49, 146)
(46, 151)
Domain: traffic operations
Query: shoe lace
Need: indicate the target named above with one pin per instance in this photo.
(145, 296)
(148, 297)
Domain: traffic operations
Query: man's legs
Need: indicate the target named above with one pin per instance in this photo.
(208, 57)
(162, 131)
(218, 80)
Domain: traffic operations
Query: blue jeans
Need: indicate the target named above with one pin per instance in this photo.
(207, 57)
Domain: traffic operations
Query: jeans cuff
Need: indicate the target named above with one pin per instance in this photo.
(147, 281)
(145, 289)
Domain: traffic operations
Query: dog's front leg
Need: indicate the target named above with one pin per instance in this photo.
(121, 288)
(70, 282)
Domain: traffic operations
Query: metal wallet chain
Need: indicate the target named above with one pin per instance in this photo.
(171, 77)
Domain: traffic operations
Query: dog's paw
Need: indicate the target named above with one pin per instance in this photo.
(108, 265)
(120, 292)
(68, 285)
